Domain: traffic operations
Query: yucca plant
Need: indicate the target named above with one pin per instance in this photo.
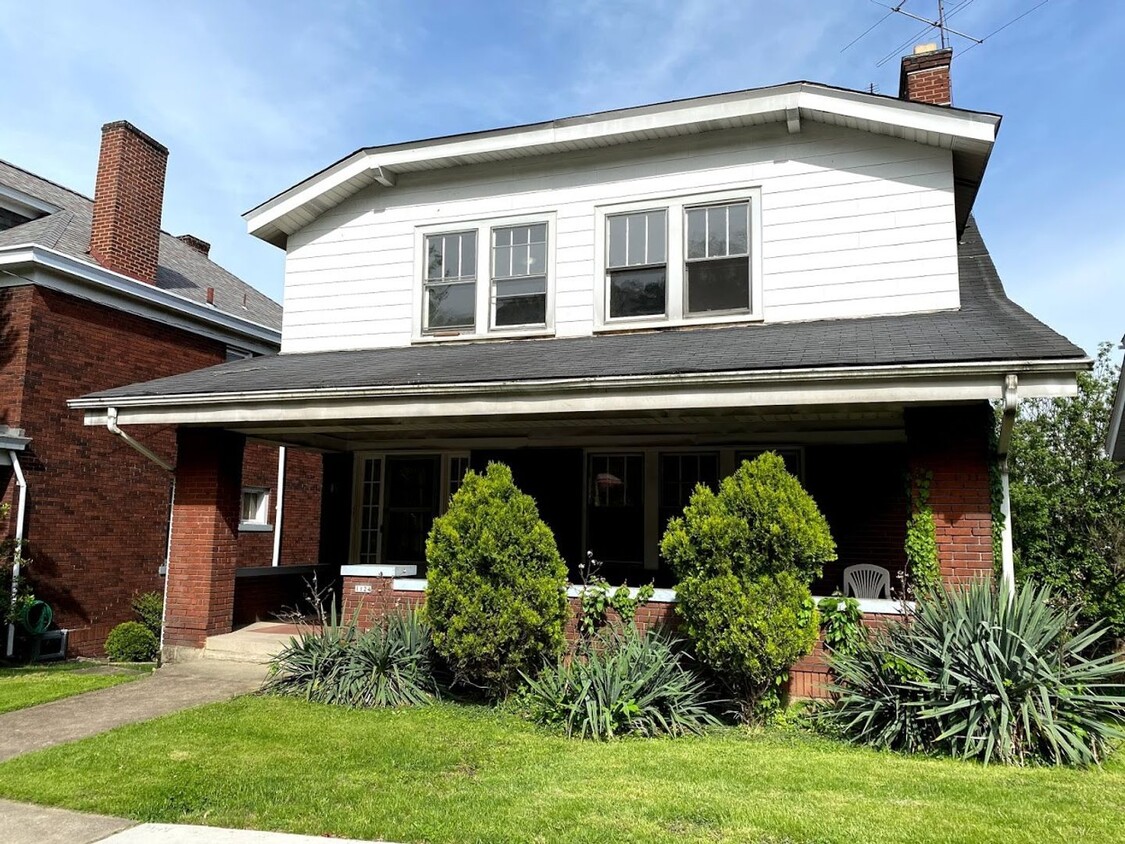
(980, 673)
(388, 665)
(625, 683)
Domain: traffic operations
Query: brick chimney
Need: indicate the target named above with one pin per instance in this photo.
(924, 77)
(128, 196)
(196, 243)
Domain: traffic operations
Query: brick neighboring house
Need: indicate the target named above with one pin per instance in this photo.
(620, 305)
(94, 295)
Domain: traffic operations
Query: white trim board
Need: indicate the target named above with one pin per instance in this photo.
(971, 133)
(56, 271)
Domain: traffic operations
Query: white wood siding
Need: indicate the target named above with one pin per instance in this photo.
(853, 224)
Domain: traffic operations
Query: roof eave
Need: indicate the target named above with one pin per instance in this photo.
(965, 132)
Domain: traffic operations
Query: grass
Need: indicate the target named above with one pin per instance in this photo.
(450, 773)
(36, 684)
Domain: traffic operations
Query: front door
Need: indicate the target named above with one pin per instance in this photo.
(410, 504)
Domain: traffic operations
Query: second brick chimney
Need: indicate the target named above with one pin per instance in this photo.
(924, 77)
(128, 196)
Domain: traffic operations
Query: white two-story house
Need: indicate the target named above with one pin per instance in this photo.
(620, 306)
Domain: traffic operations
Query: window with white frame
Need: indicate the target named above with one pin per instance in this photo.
(717, 258)
(255, 507)
(685, 259)
(458, 465)
(519, 275)
(637, 263)
(450, 281)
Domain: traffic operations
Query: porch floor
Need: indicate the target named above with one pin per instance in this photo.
(255, 642)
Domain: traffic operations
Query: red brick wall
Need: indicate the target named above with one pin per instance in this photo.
(953, 444)
(97, 511)
(205, 517)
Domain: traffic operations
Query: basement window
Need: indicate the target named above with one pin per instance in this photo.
(255, 509)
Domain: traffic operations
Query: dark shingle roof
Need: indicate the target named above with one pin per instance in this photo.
(988, 327)
(181, 269)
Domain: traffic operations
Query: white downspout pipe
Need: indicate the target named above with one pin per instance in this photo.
(277, 507)
(21, 506)
(1007, 422)
(112, 427)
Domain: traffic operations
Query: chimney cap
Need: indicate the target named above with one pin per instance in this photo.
(144, 136)
(197, 243)
(921, 49)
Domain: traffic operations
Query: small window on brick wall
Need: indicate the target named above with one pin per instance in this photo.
(255, 509)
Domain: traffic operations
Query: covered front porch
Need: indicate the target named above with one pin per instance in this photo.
(606, 483)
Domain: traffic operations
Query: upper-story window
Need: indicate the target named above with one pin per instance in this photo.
(637, 263)
(681, 260)
(485, 277)
(450, 281)
(718, 258)
(519, 275)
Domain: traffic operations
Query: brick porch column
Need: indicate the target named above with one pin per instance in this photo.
(204, 554)
(953, 444)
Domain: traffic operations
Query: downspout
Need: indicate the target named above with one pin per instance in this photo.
(112, 427)
(21, 506)
(277, 508)
(1007, 422)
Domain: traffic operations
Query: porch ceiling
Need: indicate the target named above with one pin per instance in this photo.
(857, 423)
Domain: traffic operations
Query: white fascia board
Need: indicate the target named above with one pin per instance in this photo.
(777, 104)
(77, 278)
(1115, 420)
(760, 388)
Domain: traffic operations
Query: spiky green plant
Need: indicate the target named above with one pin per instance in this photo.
(625, 683)
(981, 673)
(333, 662)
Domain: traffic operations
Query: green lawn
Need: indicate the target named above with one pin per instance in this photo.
(463, 774)
(23, 687)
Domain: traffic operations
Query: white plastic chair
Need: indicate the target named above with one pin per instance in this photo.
(867, 581)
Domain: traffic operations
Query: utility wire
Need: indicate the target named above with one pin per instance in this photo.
(866, 31)
(1005, 26)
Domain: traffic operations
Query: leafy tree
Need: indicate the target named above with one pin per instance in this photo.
(1068, 504)
(496, 597)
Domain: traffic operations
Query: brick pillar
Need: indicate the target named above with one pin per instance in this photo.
(205, 515)
(953, 444)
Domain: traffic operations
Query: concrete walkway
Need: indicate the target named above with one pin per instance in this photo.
(169, 689)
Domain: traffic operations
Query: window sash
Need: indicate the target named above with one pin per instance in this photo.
(716, 234)
(637, 239)
(519, 274)
(451, 266)
(255, 507)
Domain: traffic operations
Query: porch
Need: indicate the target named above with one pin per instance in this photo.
(605, 484)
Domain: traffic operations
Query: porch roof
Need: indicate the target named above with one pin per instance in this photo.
(988, 327)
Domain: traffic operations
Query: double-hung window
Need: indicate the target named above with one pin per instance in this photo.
(680, 260)
(637, 263)
(717, 265)
(450, 282)
(519, 275)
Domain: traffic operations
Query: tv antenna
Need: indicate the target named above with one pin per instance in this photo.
(940, 24)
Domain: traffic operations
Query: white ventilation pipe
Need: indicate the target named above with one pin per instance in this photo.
(21, 506)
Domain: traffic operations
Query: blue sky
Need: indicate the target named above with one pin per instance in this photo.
(252, 96)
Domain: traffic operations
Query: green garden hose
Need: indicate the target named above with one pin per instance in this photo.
(36, 617)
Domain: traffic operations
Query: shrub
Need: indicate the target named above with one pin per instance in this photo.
(977, 675)
(627, 683)
(131, 641)
(744, 558)
(388, 665)
(149, 607)
(497, 586)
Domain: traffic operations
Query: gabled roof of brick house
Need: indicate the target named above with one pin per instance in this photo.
(182, 269)
(989, 327)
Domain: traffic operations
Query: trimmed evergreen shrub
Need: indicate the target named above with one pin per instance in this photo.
(744, 557)
(131, 641)
(626, 683)
(496, 598)
(149, 607)
(976, 675)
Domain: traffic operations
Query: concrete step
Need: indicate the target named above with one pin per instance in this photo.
(253, 644)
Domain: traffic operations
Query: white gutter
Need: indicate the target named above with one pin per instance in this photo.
(96, 280)
(588, 383)
(21, 507)
(277, 509)
(1007, 422)
(111, 426)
